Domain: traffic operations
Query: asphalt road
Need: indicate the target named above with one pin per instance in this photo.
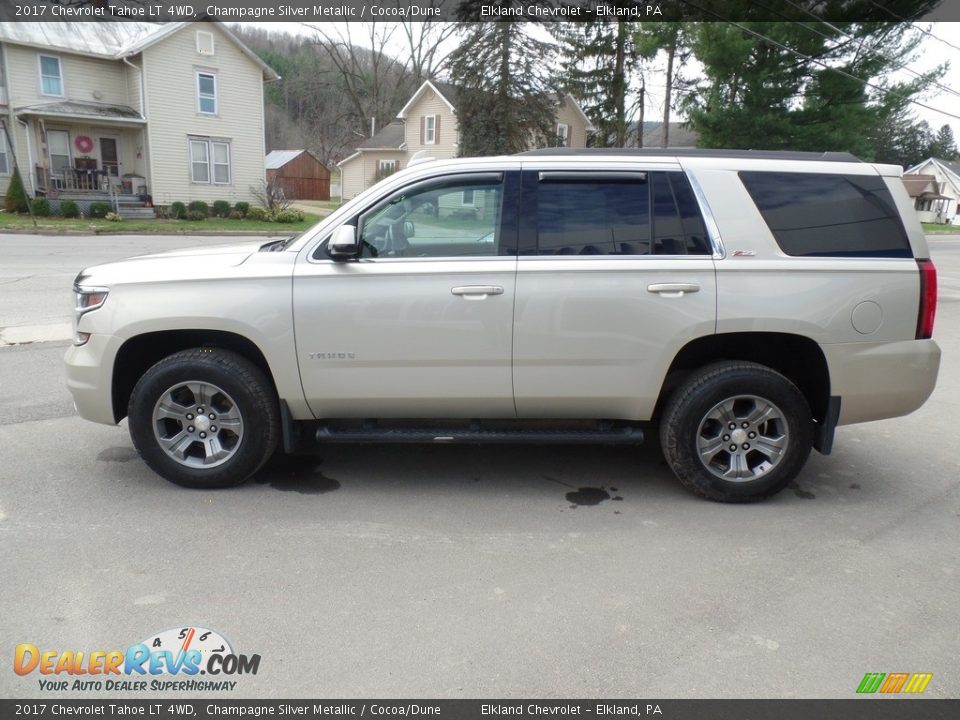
(479, 572)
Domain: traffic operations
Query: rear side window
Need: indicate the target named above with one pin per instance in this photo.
(822, 215)
(648, 213)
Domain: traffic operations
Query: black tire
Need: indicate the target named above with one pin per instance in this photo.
(700, 395)
(252, 398)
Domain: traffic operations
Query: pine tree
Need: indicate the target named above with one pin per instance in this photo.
(506, 91)
(16, 198)
(943, 146)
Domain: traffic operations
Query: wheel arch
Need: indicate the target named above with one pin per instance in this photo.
(796, 357)
(139, 353)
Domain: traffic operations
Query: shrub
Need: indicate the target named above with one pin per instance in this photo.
(242, 207)
(257, 213)
(178, 211)
(99, 209)
(16, 197)
(69, 209)
(198, 206)
(221, 208)
(235, 215)
(112, 217)
(286, 216)
(196, 214)
(40, 207)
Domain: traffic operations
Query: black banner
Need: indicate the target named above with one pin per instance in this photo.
(856, 709)
(314, 11)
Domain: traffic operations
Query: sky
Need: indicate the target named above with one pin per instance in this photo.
(944, 46)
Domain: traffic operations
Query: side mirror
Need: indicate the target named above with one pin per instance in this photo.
(343, 243)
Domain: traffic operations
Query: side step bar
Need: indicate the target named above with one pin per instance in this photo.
(476, 435)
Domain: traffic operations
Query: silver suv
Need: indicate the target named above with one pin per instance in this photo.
(741, 304)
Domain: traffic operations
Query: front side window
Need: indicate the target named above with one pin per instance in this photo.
(51, 76)
(827, 215)
(210, 161)
(207, 93)
(432, 222)
(633, 214)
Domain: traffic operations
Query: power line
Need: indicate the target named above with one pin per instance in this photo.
(903, 19)
(809, 58)
(863, 46)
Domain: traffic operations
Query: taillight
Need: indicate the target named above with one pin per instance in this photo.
(928, 299)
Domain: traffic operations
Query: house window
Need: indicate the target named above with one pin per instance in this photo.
(4, 161)
(387, 166)
(467, 199)
(430, 130)
(58, 145)
(205, 43)
(210, 158)
(207, 93)
(563, 135)
(51, 76)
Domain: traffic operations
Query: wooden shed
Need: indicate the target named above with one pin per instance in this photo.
(302, 176)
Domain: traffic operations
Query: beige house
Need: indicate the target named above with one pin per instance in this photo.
(934, 187)
(120, 111)
(428, 122)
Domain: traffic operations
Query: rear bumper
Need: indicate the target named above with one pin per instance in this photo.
(881, 380)
(90, 377)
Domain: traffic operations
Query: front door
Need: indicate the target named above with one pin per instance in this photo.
(615, 276)
(108, 156)
(420, 325)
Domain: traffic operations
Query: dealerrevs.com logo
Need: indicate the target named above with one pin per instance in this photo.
(181, 653)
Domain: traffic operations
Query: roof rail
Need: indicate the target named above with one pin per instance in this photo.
(695, 152)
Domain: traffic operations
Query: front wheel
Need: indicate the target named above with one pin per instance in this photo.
(204, 418)
(736, 432)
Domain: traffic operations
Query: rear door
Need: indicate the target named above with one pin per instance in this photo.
(421, 324)
(615, 275)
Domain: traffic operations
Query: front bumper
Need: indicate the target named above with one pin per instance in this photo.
(90, 377)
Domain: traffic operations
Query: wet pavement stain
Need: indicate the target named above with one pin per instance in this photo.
(118, 454)
(588, 496)
(800, 492)
(294, 475)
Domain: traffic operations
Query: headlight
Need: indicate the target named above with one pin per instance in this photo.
(86, 299)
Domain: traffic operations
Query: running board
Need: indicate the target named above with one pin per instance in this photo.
(624, 435)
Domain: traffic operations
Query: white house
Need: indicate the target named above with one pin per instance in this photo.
(934, 186)
(170, 110)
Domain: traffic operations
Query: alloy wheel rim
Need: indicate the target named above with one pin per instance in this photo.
(197, 424)
(742, 438)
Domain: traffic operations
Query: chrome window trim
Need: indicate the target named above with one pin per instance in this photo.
(713, 230)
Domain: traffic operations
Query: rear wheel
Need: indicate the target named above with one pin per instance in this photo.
(736, 432)
(204, 418)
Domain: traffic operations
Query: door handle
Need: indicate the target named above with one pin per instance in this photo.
(476, 292)
(673, 289)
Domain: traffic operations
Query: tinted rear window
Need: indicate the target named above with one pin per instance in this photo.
(814, 214)
(610, 216)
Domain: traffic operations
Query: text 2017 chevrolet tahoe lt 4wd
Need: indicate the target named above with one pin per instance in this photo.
(744, 303)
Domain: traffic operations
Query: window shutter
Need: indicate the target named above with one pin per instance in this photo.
(423, 123)
(436, 130)
(569, 133)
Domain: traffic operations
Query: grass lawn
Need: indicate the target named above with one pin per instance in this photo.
(938, 229)
(9, 221)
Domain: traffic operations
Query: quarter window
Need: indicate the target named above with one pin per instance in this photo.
(207, 93)
(825, 215)
(51, 76)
